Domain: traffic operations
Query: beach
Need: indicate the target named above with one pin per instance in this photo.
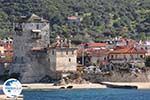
(89, 86)
(51, 86)
(42, 86)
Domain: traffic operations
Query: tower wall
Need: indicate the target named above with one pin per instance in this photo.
(31, 40)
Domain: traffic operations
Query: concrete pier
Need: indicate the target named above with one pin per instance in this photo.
(3, 97)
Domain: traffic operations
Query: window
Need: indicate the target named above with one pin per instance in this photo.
(53, 52)
(125, 57)
(22, 59)
(69, 59)
(116, 56)
(141, 56)
(112, 56)
(146, 48)
(66, 52)
(15, 59)
(37, 26)
(48, 59)
(72, 52)
(131, 56)
(105, 58)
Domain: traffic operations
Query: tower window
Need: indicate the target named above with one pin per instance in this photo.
(66, 52)
(69, 59)
(48, 59)
(72, 52)
(53, 52)
(37, 26)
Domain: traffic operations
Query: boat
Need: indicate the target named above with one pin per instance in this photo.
(119, 86)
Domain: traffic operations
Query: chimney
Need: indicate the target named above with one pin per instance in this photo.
(65, 42)
(58, 40)
(69, 44)
(61, 43)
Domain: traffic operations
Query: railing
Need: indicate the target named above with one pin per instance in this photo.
(136, 60)
(36, 37)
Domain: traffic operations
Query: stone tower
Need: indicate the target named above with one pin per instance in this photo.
(31, 40)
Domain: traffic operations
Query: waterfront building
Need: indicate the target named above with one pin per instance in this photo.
(91, 52)
(6, 50)
(6, 54)
(31, 40)
(127, 54)
(63, 57)
(99, 57)
(147, 47)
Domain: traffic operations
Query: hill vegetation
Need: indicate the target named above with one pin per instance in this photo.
(99, 19)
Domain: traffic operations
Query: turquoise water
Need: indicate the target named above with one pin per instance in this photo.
(88, 94)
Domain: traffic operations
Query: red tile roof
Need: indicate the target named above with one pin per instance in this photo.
(73, 17)
(97, 44)
(37, 48)
(8, 53)
(92, 45)
(127, 50)
(99, 53)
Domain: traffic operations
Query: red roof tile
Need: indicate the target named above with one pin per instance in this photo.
(73, 17)
(127, 50)
(37, 49)
(97, 44)
(99, 53)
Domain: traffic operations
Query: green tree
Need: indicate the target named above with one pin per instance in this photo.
(96, 16)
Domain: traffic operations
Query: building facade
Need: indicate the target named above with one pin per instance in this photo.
(63, 57)
(128, 54)
(31, 40)
(63, 60)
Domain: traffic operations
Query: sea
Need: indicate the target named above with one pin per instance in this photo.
(87, 94)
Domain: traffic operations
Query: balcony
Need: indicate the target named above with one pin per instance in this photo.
(39, 52)
(39, 49)
(136, 60)
(36, 31)
(36, 34)
(36, 37)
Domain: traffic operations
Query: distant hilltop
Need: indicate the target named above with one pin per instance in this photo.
(84, 20)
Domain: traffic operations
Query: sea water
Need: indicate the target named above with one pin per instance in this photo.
(88, 94)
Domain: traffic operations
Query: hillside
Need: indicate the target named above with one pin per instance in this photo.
(99, 19)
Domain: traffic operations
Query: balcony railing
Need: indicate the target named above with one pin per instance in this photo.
(36, 37)
(136, 60)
